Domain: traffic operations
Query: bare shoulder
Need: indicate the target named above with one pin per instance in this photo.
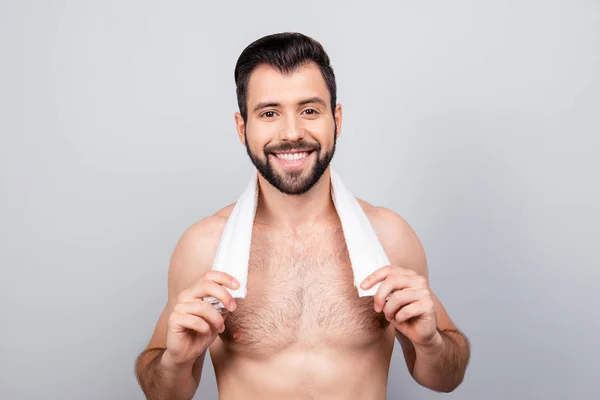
(397, 237)
(225, 212)
(195, 251)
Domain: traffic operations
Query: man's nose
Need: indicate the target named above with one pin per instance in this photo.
(291, 130)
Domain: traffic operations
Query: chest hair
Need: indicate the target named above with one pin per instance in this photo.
(300, 290)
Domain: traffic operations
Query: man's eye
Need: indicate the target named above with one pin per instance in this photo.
(269, 114)
(311, 111)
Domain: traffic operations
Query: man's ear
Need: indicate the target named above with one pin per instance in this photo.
(338, 120)
(240, 125)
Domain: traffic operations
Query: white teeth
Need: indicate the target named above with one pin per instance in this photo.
(292, 156)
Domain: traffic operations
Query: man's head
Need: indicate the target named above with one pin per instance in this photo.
(288, 118)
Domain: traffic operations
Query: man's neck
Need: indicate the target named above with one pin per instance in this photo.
(294, 212)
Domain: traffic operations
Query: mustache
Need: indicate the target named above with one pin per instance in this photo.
(289, 146)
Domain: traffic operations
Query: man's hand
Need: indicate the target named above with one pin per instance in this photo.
(405, 299)
(194, 323)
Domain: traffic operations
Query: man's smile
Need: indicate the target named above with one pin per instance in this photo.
(293, 159)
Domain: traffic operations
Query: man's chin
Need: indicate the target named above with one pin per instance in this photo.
(290, 183)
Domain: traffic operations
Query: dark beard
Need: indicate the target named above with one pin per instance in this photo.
(293, 183)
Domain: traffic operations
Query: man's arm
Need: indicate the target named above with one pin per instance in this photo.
(440, 365)
(158, 381)
(158, 377)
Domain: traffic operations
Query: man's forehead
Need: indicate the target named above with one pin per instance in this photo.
(267, 83)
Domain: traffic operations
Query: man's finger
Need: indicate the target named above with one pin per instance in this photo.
(383, 273)
(203, 310)
(208, 288)
(393, 283)
(411, 311)
(402, 298)
(376, 276)
(192, 322)
(222, 278)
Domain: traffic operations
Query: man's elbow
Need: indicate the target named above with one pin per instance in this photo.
(452, 386)
(447, 386)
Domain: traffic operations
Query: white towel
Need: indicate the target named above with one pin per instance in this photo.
(365, 251)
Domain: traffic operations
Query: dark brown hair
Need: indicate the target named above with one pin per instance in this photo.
(285, 52)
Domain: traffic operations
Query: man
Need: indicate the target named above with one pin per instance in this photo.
(302, 332)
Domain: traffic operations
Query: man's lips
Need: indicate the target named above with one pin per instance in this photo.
(292, 158)
(292, 151)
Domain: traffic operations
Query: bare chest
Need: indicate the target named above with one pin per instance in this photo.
(300, 290)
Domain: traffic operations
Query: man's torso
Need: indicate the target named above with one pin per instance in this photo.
(302, 331)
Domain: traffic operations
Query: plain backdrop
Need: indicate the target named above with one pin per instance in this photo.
(477, 121)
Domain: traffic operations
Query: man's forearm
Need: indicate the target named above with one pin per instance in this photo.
(442, 367)
(158, 382)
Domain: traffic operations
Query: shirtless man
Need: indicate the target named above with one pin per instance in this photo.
(302, 332)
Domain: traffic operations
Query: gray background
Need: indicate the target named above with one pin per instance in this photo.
(477, 121)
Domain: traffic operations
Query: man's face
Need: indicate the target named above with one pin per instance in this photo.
(290, 132)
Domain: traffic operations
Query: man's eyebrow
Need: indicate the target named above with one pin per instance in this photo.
(265, 105)
(315, 99)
